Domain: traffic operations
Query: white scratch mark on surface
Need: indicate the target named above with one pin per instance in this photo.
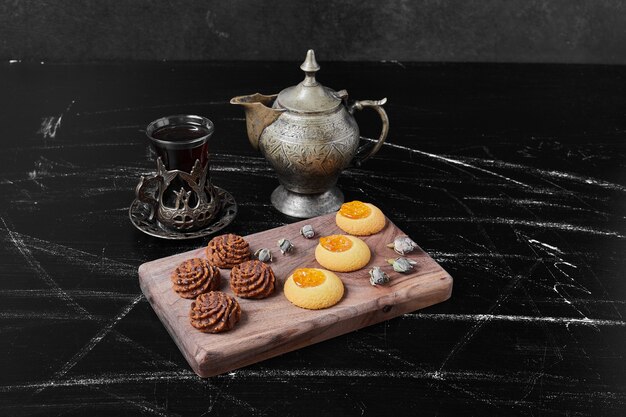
(14, 61)
(451, 161)
(367, 349)
(142, 405)
(565, 227)
(94, 340)
(46, 315)
(557, 260)
(516, 318)
(244, 373)
(147, 377)
(564, 263)
(508, 165)
(45, 294)
(553, 248)
(19, 244)
(78, 257)
(525, 202)
(549, 173)
(477, 325)
(50, 124)
(155, 359)
(444, 256)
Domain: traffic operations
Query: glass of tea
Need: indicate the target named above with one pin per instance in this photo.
(180, 140)
(180, 197)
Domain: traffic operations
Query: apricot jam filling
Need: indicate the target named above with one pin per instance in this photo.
(336, 243)
(308, 277)
(355, 210)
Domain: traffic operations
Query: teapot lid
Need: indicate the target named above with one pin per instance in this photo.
(309, 96)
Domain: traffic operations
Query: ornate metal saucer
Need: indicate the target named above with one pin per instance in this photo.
(139, 214)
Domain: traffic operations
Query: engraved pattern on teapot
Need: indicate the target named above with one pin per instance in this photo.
(319, 148)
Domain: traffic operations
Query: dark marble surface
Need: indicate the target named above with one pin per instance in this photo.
(510, 176)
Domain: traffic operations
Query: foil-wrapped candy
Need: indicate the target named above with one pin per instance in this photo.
(378, 276)
(285, 246)
(403, 245)
(401, 264)
(307, 231)
(263, 255)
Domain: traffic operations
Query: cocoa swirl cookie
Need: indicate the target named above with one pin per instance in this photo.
(226, 251)
(194, 277)
(214, 312)
(252, 279)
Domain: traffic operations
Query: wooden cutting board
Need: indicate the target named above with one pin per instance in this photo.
(273, 326)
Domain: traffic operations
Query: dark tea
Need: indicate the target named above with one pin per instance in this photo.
(179, 199)
(175, 156)
(180, 141)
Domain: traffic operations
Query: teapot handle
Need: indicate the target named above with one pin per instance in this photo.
(378, 106)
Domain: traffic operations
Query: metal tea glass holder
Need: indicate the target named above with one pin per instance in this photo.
(174, 203)
(181, 214)
(195, 209)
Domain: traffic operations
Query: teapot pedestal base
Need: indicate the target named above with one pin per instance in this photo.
(305, 206)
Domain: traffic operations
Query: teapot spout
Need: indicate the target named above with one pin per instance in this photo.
(259, 114)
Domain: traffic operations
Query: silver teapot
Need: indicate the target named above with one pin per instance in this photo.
(308, 134)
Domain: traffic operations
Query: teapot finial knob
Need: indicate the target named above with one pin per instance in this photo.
(310, 67)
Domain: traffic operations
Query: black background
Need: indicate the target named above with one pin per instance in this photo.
(554, 31)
